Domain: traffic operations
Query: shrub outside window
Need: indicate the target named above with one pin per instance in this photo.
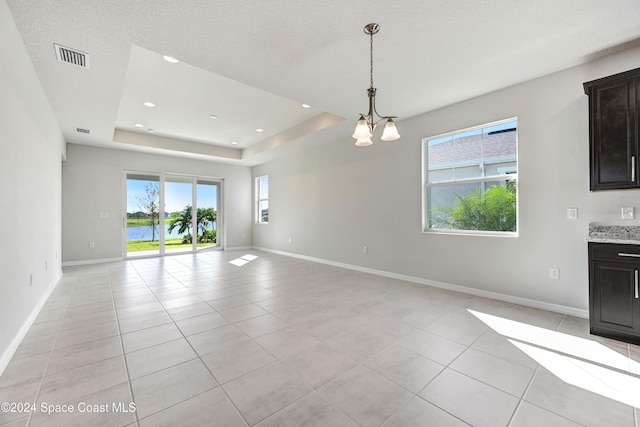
(471, 180)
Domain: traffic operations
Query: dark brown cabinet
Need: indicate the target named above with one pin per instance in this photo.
(614, 108)
(614, 299)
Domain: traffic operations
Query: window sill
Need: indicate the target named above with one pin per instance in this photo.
(473, 233)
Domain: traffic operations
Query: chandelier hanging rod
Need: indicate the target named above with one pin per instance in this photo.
(371, 29)
(368, 123)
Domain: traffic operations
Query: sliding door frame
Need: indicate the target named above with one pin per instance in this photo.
(162, 178)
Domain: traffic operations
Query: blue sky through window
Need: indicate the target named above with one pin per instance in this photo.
(176, 197)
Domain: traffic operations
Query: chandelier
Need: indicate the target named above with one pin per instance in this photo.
(367, 123)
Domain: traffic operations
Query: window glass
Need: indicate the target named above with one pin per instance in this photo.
(262, 199)
(471, 179)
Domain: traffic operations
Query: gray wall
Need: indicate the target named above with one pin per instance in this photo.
(31, 150)
(337, 198)
(92, 183)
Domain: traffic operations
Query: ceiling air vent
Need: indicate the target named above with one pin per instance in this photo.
(81, 130)
(71, 56)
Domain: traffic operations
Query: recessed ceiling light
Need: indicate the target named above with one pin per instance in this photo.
(170, 59)
(306, 106)
(234, 142)
(259, 130)
(138, 125)
(149, 104)
(213, 116)
(150, 130)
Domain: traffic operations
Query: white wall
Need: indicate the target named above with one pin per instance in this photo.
(337, 198)
(92, 184)
(31, 151)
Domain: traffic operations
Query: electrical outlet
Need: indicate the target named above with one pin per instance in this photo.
(572, 213)
(627, 213)
(92, 245)
(31, 280)
(365, 250)
(554, 273)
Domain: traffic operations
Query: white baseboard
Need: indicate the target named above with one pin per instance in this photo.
(15, 343)
(108, 260)
(563, 309)
(239, 248)
(90, 261)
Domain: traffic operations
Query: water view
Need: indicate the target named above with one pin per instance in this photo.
(146, 232)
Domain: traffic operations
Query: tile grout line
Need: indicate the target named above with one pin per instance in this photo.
(313, 389)
(124, 356)
(44, 372)
(77, 285)
(461, 373)
(276, 360)
(530, 383)
(198, 357)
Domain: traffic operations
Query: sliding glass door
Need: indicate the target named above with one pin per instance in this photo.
(207, 196)
(178, 204)
(168, 214)
(142, 217)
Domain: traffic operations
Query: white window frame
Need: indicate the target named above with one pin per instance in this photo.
(259, 199)
(426, 184)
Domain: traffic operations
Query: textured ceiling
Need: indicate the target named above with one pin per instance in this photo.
(253, 63)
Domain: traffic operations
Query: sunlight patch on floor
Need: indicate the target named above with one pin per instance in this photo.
(577, 361)
(243, 260)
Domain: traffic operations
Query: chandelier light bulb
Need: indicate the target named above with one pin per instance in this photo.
(363, 142)
(363, 130)
(390, 132)
(367, 123)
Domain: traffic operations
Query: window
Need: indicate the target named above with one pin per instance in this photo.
(262, 199)
(471, 180)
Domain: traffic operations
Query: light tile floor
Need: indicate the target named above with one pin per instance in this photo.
(194, 340)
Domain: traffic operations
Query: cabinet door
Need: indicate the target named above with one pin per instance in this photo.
(613, 301)
(614, 156)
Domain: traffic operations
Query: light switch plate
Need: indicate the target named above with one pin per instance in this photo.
(628, 213)
(572, 213)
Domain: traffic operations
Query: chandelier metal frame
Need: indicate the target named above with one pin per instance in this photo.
(367, 123)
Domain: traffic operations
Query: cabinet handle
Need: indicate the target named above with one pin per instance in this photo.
(633, 168)
(636, 283)
(628, 255)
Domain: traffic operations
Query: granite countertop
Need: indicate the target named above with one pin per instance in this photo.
(614, 234)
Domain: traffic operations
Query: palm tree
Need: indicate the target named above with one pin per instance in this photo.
(205, 216)
(182, 220)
